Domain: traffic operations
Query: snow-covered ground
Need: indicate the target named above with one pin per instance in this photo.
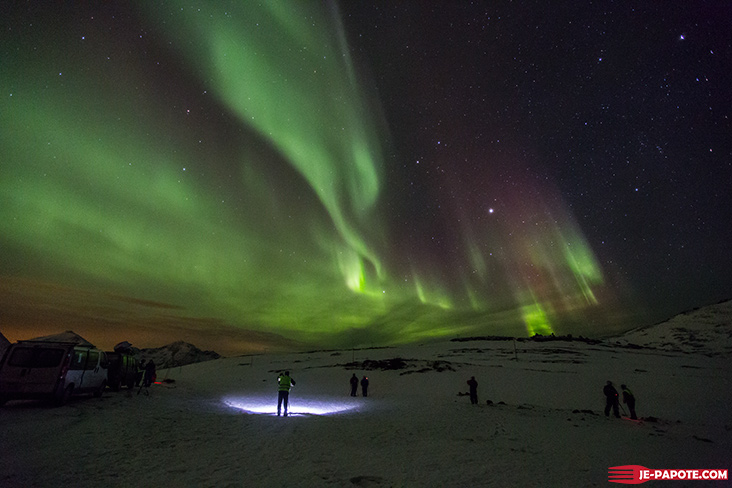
(214, 423)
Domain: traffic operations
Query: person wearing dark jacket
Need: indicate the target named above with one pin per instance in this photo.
(365, 386)
(473, 390)
(629, 400)
(354, 384)
(611, 399)
(150, 373)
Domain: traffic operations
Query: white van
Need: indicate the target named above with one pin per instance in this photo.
(51, 371)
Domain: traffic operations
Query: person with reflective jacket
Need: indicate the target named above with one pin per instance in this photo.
(284, 383)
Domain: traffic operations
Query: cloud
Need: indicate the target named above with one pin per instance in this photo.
(31, 308)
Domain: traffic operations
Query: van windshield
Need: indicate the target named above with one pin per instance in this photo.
(36, 357)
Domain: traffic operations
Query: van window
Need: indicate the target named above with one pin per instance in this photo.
(79, 360)
(22, 357)
(49, 358)
(93, 359)
(36, 357)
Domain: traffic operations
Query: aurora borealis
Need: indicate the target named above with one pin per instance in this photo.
(248, 176)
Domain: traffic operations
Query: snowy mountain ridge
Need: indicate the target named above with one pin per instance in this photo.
(176, 354)
(705, 330)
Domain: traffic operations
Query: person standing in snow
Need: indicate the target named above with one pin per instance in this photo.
(354, 384)
(611, 399)
(473, 390)
(140, 373)
(150, 373)
(629, 400)
(284, 383)
(365, 386)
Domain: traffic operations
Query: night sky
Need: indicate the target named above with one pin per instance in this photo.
(250, 176)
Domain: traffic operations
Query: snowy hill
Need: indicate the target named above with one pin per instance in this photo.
(176, 354)
(706, 330)
(214, 423)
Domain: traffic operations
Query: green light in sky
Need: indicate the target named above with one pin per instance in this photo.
(536, 320)
(586, 271)
(293, 82)
(262, 205)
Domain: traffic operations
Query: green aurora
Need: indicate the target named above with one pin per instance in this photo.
(243, 180)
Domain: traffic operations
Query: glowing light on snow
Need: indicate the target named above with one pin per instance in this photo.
(267, 405)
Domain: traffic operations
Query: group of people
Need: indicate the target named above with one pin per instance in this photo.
(364, 385)
(285, 382)
(611, 396)
(612, 400)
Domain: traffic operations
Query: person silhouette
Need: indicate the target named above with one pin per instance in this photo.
(629, 399)
(473, 384)
(284, 383)
(611, 399)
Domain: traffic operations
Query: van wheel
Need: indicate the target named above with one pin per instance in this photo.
(3, 400)
(117, 385)
(98, 392)
(131, 384)
(64, 397)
